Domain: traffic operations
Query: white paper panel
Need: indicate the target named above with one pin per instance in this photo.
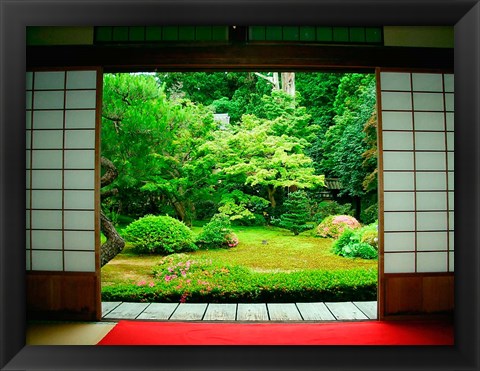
(451, 160)
(449, 102)
(397, 160)
(46, 179)
(451, 262)
(396, 101)
(28, 139)
(48, 119)
(451, 220)
(79, 179)
(46, 199)
(430, 141)
(27, 239)
(79, 261)
(47, 159)
(398, 181)
(451, 180)
(81, 99)
(84, 139)
(80, 240)
(431, 221)
(395, 81)
(27, 198)
(79, 200)
(432, 241)
(399, 221)
(427, 82)
(397, 140)
(450, 117)
(399, 262)
(28, 265)
(28, 183)
(29, 81)
(430, 161)
(404, 241)
(28, 120)
(48, 100)
(47, 219)
(450, 141)
(49, 80)
(428, 101)
(47, 260)
(79, 159)
(47, 240)
(28, 159)
(451, 240)
(397, 121)
(81, 79)
(399, 201)
(27, 219)
(429, 121)
(79, 220)
(431, 181)
(47, 139)
(28, 100)
(431, 262)
(80, 119)
(449, 82)
(431, 201)
(451, 200)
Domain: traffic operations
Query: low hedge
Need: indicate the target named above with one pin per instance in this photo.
(206, 281)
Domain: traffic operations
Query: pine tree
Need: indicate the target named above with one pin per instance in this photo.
(296, 215)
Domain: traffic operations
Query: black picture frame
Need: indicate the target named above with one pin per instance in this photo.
(16, 15)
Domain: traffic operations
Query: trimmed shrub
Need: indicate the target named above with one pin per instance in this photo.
(296, 216)
(183, 278)
(360, 243)
(159, 235)
(334, 225)
(217, 233)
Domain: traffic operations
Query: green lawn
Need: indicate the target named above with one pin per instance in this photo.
(261, 249)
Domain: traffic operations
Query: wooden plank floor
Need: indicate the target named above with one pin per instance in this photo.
(259, 312)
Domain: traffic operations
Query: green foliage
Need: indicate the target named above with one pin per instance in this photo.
(242, 208)
(369, 214)
(327, 208)
(360, 243)
(334, 225)
(159, 235)
(217, 234)
(296, 216)
(181, 278)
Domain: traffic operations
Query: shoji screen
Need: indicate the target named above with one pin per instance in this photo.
(61, 141)
(416, 144)
(418, 166)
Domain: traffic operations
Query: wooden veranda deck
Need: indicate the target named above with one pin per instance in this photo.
(260, 312)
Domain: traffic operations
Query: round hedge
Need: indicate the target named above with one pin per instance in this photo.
(334, 225)
(160, 235)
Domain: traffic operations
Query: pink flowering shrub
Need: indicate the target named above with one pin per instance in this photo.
(334, 225)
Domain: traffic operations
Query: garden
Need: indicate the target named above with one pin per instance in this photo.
(198, 208)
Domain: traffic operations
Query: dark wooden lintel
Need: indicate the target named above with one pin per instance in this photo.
(239, 57)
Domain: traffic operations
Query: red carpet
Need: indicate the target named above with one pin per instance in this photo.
(338, 333)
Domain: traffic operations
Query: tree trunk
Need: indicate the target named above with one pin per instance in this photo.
(115, 242)
(288, 83)
(271, 196)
